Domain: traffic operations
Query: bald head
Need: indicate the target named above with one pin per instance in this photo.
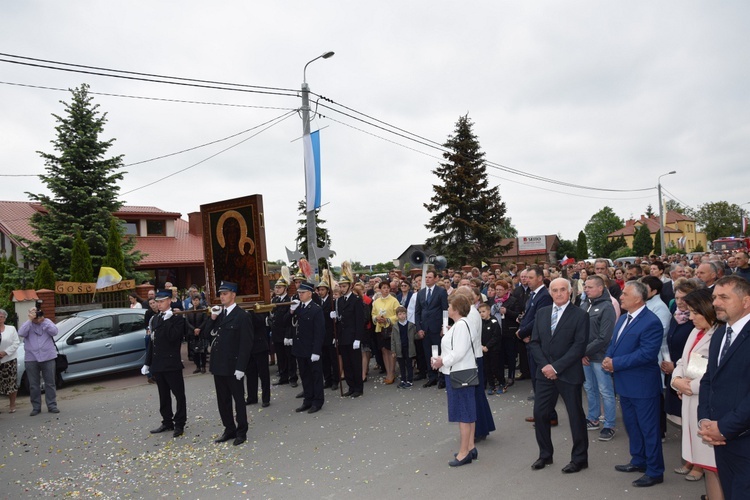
(560, 289)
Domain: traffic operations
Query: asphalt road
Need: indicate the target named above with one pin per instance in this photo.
(390, 443)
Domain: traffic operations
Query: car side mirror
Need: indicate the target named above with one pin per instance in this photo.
(76, 340)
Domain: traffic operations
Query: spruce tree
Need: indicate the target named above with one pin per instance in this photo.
(642, 242)
(467, 216)
(582, 247)
(657, 243)
(83, 183)
(45, 276)
(81, 270)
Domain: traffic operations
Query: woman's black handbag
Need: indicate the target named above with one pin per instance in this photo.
(465, 378)
(61, 363)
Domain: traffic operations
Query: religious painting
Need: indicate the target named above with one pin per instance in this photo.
(234, 246)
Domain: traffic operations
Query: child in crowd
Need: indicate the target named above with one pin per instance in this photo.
(491, 344)
(402, 347)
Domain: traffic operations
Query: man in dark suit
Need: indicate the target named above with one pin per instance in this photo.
(280, 321)
(164, 362)
(539, 297)
(724, 397)
(230, 332)
(349, 315)
(428, 313)
(329, 358)
(558, 342)
(632, 357)
(307, 348)
(521, 293)
(257, 367)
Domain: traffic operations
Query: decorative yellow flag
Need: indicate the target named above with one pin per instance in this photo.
(107, 277)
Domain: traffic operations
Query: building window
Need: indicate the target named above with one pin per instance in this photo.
(156, 227)
(130, 227)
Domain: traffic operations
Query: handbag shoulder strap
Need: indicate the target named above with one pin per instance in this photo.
(470, 341)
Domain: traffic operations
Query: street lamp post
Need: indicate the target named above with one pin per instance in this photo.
(313, 252)
(661, 211)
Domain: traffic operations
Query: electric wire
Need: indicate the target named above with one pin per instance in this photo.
(569, 194)
(276, 121)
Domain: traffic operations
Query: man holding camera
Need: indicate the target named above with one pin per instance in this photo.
(38, 334)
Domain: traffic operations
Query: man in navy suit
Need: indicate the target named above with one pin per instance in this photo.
(724, 397)
(431, 302)
(632, 357)
(308, 347)
(558, 343)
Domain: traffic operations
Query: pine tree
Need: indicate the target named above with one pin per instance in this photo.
(45, 276)
(582, 247)
(81, 270)
(642, 242)
(114, 257)
(657, 242)
(467, 215)
(84, 186)
(322, 234)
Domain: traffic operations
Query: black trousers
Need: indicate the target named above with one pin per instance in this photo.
(429, 340)
(286, 362)
(509, 356)
(257, 368)
(523, 360)
(330, 365)
(229, 389)
(547, 392)
(352, 361)
(421, 362)
(173, 382)
(311, 374)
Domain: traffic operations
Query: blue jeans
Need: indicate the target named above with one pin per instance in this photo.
(600, 389)
(35, 370)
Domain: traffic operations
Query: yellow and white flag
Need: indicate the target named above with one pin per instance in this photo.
(107, 277)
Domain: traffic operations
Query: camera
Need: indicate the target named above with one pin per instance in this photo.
(39, 312)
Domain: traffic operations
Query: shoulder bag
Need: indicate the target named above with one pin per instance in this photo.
(468, 377)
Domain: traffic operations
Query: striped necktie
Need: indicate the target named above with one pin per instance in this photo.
(727, 344)
(555, 312)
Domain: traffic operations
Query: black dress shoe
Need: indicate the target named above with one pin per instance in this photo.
(266, 404)
(458, 463)
(574, 467)
(281, 382)
(303, 408)
(178, 431)
(250, 402)
(646, 481)
(629, 468)
(541, 463)
(335, 386)
(420, 376)
(225, 437)
(327, 385)
(473, 452)
(441, 385)
(197, 370)
(356, 394)
(348, 393)
(300, 395)
(430, 383)
(161, 428)
(239, 440)
(314, 409)
(293, 383)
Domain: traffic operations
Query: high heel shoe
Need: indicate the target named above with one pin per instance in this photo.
(458, 463)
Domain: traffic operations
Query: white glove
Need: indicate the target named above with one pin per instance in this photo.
(314, 358)
(287, 341)
(333, 315)
(355, 345)
(238, 374)
(144, 370)
(215, 310)
(294, 306)
(268, 323)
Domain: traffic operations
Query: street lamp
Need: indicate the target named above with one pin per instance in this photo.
(313, 252)
(661, 211)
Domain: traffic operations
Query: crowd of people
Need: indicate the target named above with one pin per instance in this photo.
(666, 336)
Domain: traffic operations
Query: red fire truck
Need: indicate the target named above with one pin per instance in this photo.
(731, 244)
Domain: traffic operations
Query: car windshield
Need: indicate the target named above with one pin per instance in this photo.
(67, 324)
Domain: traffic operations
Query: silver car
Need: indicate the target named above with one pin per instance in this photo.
(97, 342)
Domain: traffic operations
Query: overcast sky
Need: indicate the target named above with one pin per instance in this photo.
(606, 95)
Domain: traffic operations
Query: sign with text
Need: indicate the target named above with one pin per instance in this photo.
(532, 244)
(73, 288)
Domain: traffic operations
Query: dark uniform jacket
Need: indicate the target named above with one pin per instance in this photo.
(280, 320)
(231, 340)
(327, 306)
(260, 335)
(308, 338)
(164, 351)
(351, 320)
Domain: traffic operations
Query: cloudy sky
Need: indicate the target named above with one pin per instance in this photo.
(602, 95)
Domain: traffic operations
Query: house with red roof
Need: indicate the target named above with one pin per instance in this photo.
(679, 231)
(172, 247)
